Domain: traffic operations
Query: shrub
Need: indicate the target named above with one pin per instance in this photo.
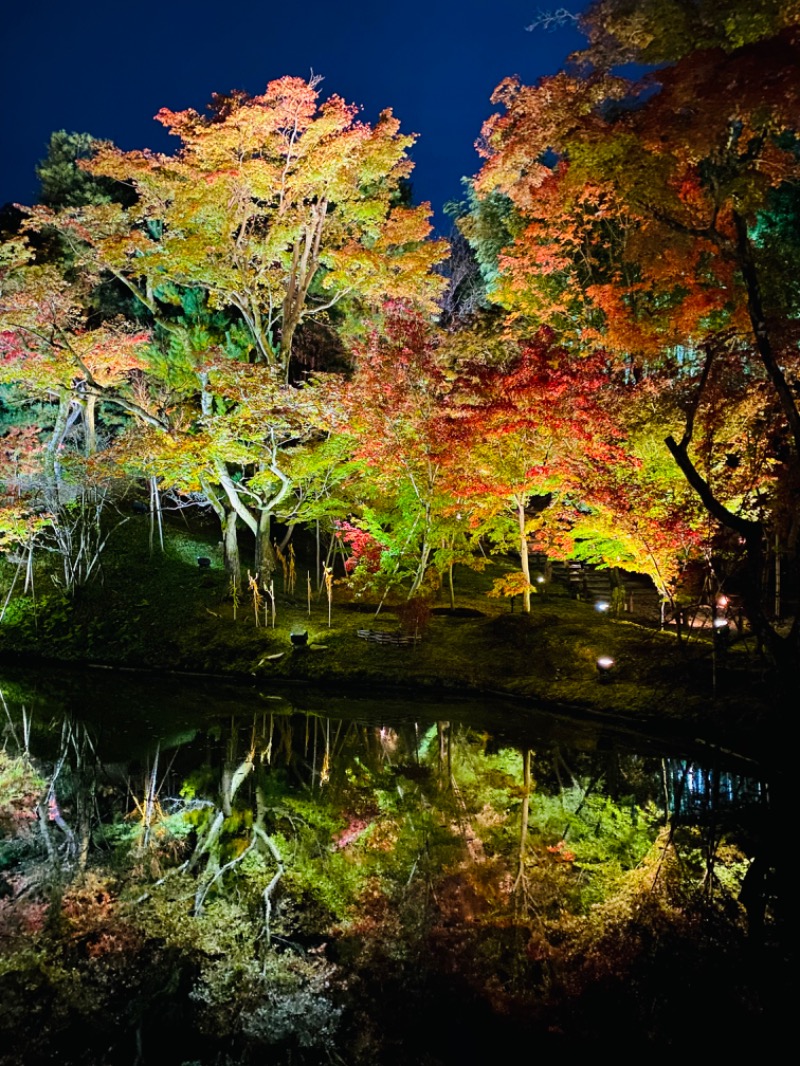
(414, 615)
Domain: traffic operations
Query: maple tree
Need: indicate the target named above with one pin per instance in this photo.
(531, 437)
(392, 405)
(58, 367)
(277, 208)
(635, 514)
(48, 350)
(647, 212)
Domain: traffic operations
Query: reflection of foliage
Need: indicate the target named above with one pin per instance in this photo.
(658, 926)
(169, 830)
(20, 788)
(417, 861)
(280, 999)
(604, 837)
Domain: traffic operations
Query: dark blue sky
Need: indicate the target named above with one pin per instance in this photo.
(105, 68)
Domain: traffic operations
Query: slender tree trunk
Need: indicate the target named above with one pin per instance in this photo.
(523, 555)
(424, 557)
(287, 536)
(526, 805)
(228, 520)
(778, 608)
(770, 359)
(318, 560)
(156, 519)
(29, 570)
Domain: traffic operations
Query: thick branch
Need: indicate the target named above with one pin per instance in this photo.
(743, 526)
(132, 408)
(227, 483)
(761, 331)
(691, 413)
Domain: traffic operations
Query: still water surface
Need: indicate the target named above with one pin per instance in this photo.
(199, 872)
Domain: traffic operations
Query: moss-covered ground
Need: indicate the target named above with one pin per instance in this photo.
(159, 610)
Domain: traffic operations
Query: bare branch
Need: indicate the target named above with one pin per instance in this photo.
(552, 20)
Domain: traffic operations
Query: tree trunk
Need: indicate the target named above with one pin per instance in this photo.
(425, 555)
(770, 359)
(156, 518)
(526, 805)
(265, 561)
(230, 544)
(750, 532)
(523, 555)
(51, 451)
(230, 541)
(90, 424)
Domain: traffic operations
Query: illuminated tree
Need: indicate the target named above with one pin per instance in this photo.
(524, 426)
(275, 209)
(278, 206)
(649, 211)
(393, 404)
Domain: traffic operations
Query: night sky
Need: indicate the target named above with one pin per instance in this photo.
(105, 68)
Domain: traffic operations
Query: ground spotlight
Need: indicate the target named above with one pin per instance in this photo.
(605, 664)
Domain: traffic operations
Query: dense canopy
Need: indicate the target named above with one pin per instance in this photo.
(605, 367)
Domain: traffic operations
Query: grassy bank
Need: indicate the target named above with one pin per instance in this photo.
(161, 611)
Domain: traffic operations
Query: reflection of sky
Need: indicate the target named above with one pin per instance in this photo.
(106, 69)
(695, 788)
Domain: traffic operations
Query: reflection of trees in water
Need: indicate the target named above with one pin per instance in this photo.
(282, 879)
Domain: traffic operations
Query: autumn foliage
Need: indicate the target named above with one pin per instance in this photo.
(258, 319)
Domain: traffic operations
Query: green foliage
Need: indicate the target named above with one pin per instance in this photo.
(606, 838)
(63, 183)
(50, 618)
(653, 32)
(489, 224)
(318, 890)
(775, 236)
(406, 859)
(168, 832)
(21, 788)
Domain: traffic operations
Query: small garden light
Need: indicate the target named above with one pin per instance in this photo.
(605, 664)
(602, 606)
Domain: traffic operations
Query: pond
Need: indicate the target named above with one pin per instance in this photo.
(193, 872)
